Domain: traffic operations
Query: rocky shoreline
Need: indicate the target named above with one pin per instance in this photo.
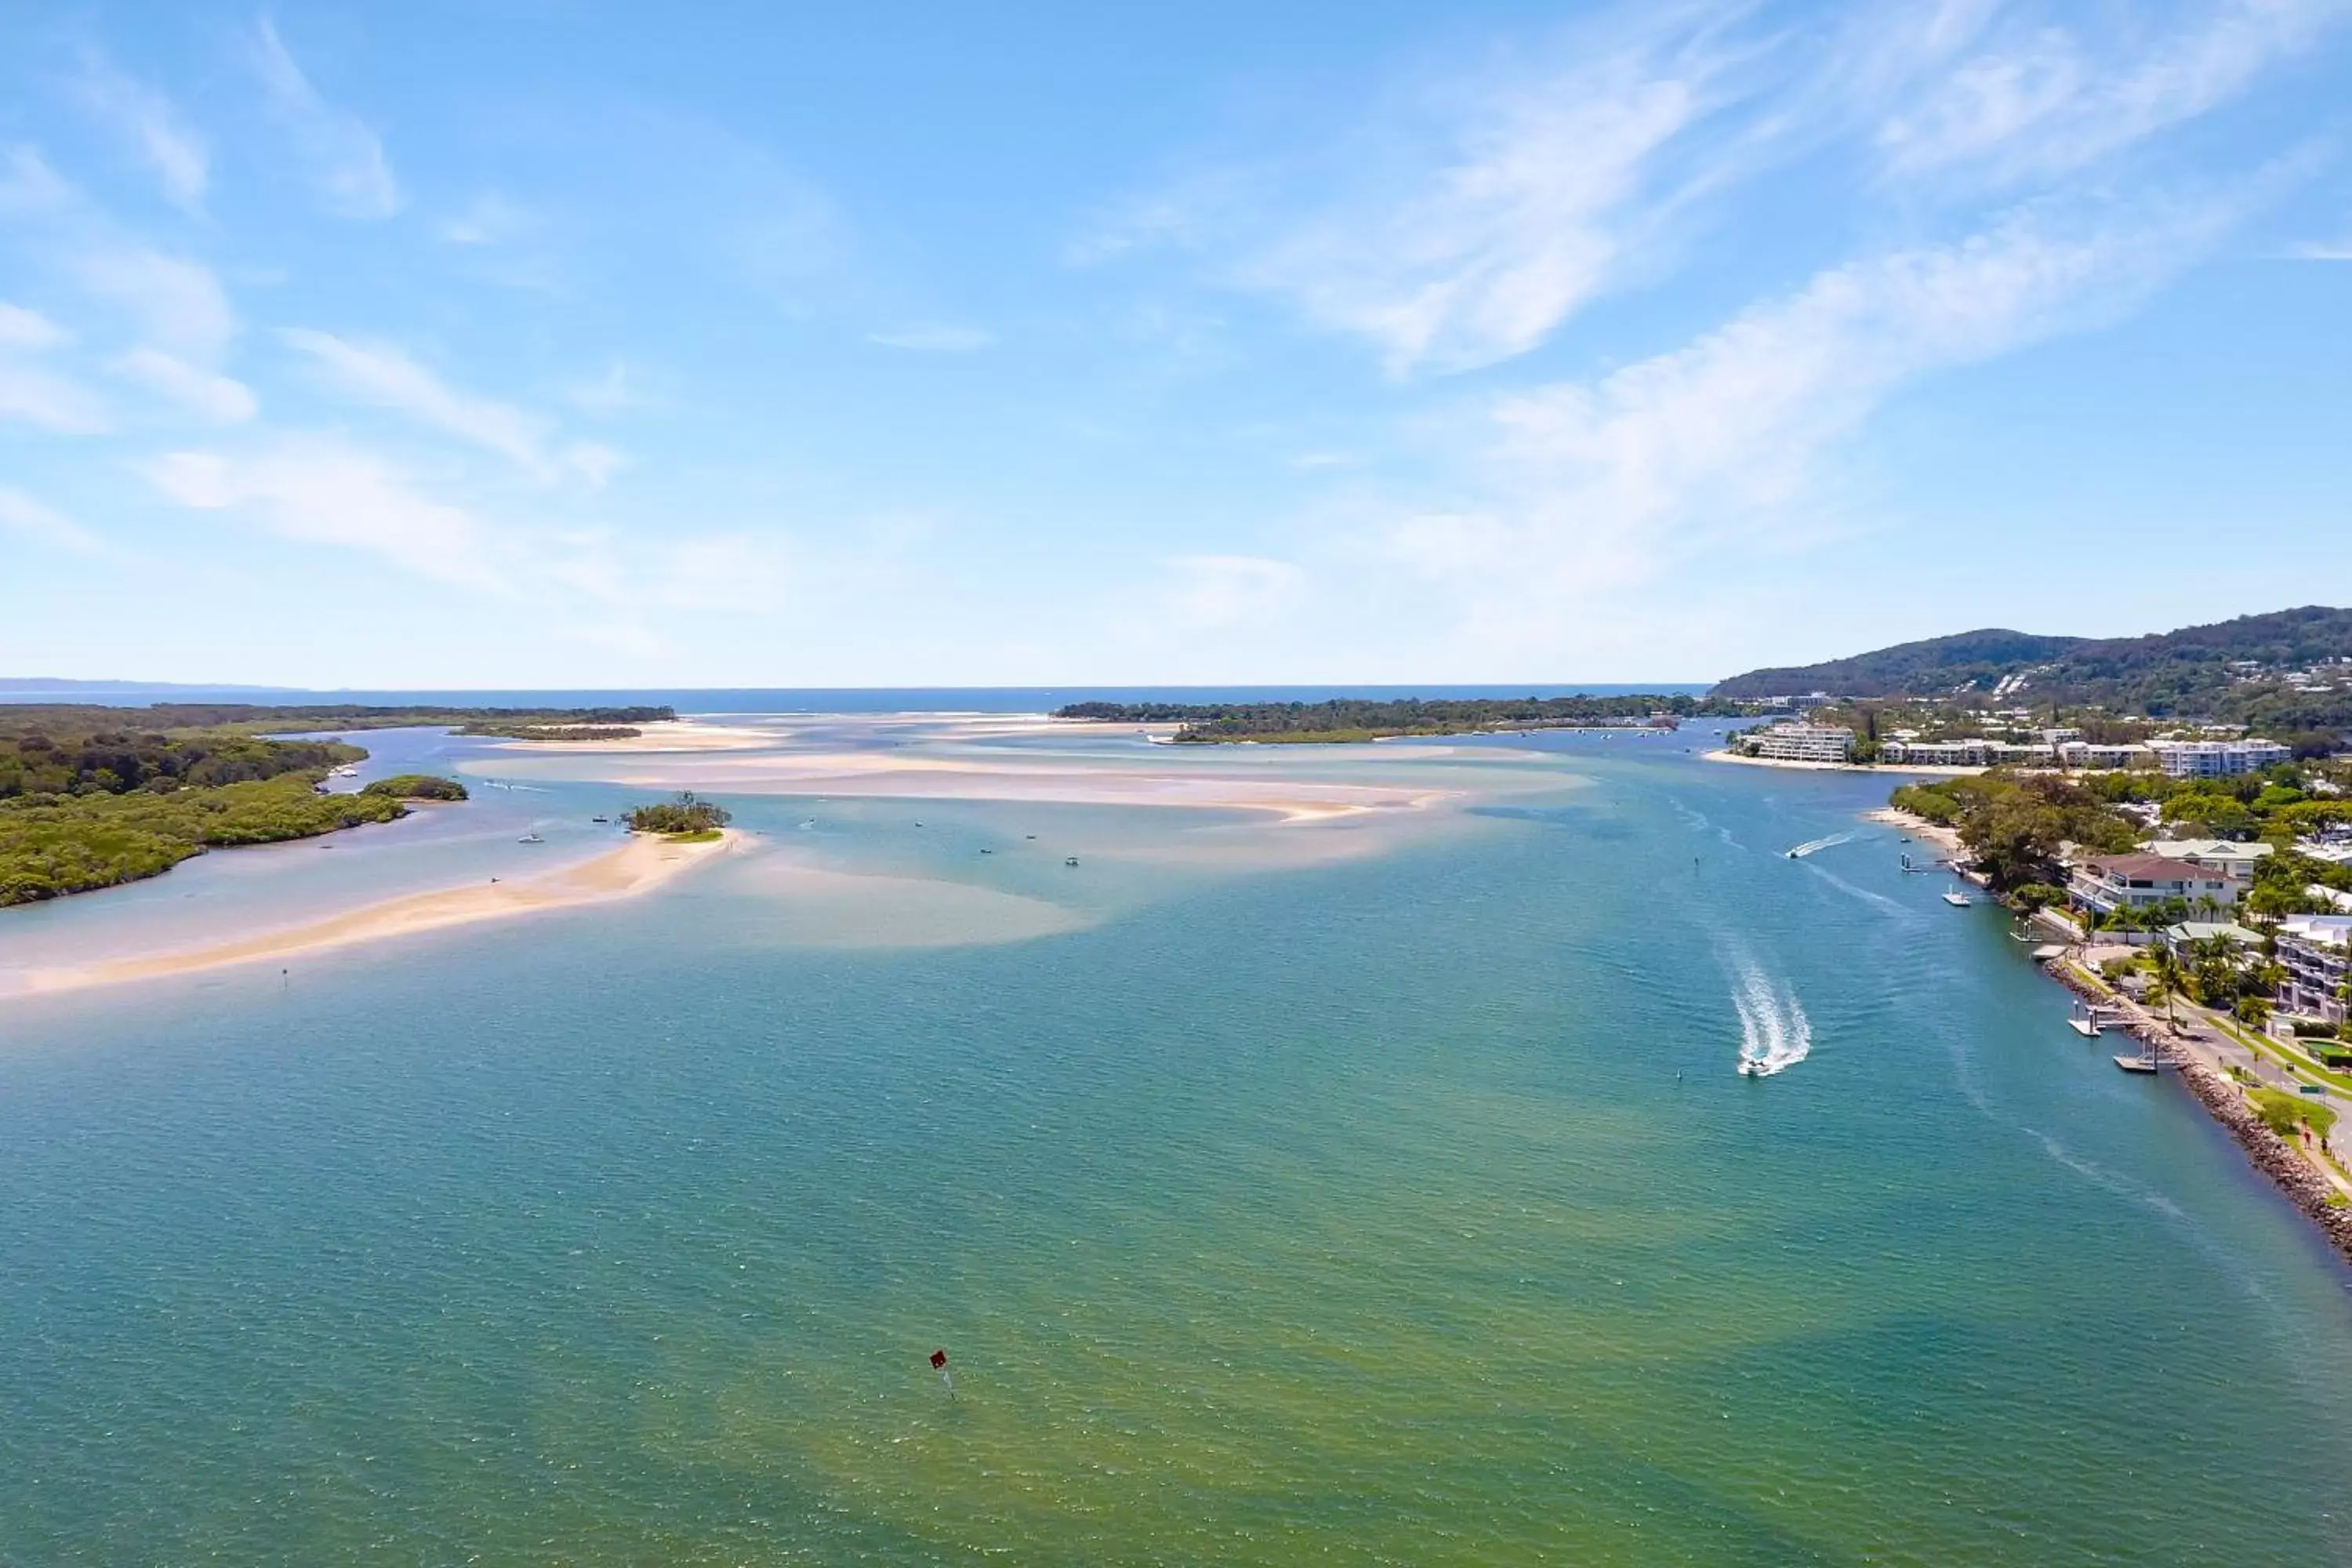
(2270, 1153)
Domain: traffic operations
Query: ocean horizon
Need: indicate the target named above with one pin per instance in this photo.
(815, 698)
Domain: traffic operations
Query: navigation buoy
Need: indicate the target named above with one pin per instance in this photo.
(940, 1365)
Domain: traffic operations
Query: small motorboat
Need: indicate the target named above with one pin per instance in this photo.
(600, 819)
(1071, 861)
(530, 838)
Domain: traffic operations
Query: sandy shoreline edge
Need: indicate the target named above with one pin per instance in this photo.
(638, 866)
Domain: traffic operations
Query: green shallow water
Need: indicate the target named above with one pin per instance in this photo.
(1404, 1209)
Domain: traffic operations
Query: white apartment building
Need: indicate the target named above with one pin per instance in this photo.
(2217, 759)
(1803, 743)
(2316, 952)
(1971, 753)
(2092, 754)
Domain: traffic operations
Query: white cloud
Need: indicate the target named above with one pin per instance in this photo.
(934, 337)
(346, 157)
(1596, 486)
(488, 219)
(2041, 100)
(25, 328)
(1207, 593)
(29, 186)
(1463, 221)
(22, 517)
(203, 393)
(146, 120)
(2320, 250)
(614, 392)
(592, 462)
(325, 491)
(384, 375)
(1463, 225)
(177, 302)
(55, 403)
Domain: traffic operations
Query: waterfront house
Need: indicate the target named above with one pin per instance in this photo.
(2316, 952)
(2104, 883)
(2187, 933)
(2215, 854)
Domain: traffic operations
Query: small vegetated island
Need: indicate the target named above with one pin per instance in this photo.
(93, 797)
(1346, 720)
(686, 820)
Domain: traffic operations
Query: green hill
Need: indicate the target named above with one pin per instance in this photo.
(2247, 670)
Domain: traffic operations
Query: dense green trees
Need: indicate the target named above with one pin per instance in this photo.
(2013, 823)
(1355, 719)
(54, 844)
(2194, 672)
(684, 814)
(416, 786)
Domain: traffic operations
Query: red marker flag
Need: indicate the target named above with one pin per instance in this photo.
(938, 1361)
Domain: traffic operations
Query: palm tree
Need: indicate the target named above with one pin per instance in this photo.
(2164, 980)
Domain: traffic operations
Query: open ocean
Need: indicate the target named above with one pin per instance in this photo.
(1404, 1208)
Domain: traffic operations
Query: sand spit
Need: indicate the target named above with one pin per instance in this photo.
(641, 865)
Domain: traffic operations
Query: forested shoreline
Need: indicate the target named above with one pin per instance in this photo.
(1350, 718)
(94, 797)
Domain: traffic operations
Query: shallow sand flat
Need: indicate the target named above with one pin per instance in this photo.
(887, 773)
(638, 867)
(815, 907)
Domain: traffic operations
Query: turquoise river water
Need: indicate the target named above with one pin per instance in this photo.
(1400, 1206)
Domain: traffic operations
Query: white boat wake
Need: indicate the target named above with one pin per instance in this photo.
(1774, 1033)
(1811, 845)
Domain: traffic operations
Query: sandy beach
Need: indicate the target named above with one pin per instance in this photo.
(638, 866)
(1942, 837)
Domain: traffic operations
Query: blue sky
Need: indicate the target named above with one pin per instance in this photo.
(521, 342)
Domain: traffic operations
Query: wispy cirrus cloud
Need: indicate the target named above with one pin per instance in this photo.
(145, 121)
(2037, 98)
(34, 393)
(1594, 487)
(23, 517)
(325, 490)
(1462, 219)
(176, 301)
(344, 154)
(24, 329)
(209, 396)
(29, 186)
(387, 377)
(1467, 219)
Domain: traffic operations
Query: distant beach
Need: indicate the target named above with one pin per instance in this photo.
(638, 866)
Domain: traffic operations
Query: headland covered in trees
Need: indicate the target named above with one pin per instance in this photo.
(1345, 719)
(91, 795)
(2288, 670)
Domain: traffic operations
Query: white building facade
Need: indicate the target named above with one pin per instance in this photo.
(1803, 743)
